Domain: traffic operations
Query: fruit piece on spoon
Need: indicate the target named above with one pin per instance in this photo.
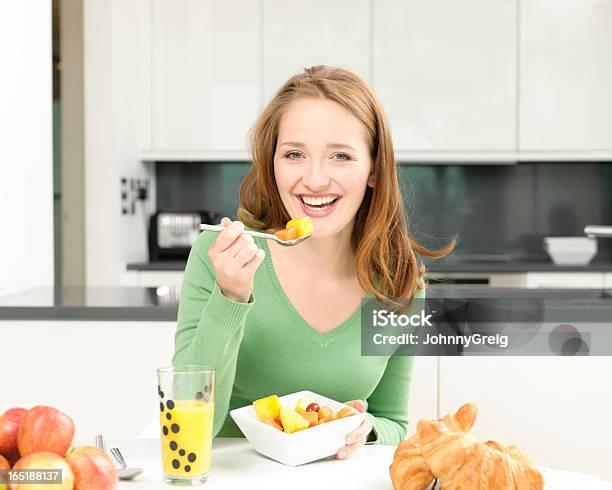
(287, 234)
(296, 228)
(303, 225)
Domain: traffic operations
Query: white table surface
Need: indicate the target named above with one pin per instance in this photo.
(235, 464)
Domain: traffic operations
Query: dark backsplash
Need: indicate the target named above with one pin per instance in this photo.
(499, 212)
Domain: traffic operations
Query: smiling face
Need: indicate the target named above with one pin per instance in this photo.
(322, 164)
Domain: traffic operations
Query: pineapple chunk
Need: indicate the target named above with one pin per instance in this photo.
(268, 407)
(302, 403)
(303, 226)
(292, 421)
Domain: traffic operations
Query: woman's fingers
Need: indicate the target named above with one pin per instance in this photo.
(358, 405)
(245, 254)
(357, 438)
(251, 266)
(235, 257)
(227, 237)
(348, 450)
(236, 247)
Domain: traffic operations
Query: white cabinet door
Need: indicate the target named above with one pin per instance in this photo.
(206, 88)
(566, 75)
(423, 401)
(446, 73)
(302, 33)
(552, 408)
(100, 373)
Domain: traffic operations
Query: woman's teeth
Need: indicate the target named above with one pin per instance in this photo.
(318, 202)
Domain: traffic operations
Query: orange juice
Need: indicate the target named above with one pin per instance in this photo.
(186, 427)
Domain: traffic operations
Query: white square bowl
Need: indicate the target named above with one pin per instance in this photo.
(299, 447)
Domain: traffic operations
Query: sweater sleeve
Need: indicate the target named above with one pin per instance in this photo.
(388, 404)
(210, 326)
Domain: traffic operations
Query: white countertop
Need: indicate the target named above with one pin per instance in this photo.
(236, 465)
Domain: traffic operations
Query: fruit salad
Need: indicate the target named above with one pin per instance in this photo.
(296, 228)
(306, 413)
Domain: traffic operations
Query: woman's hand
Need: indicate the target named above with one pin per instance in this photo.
(235, 258)
(358, 437)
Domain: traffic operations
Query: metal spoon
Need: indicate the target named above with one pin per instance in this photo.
(123, 472)
(259, 234)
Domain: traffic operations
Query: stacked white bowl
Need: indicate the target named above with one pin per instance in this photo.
(570, 250)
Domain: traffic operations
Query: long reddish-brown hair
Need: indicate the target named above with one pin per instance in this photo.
(385, 253)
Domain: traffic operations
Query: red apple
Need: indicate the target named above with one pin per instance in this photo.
(45, 429)
(92, 468)
(44, 461)
(10, 421)
(4, 465)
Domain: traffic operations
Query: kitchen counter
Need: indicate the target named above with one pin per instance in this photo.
(92, 303)
(161, 304)
(236, 465)
(444, 266)
(513, 266)
(167, 265)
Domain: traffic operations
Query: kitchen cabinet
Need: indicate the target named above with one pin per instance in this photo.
(313, 32)
(423, 401)
(205, 78)
(95, 371)
(565, 77)
(552, 408)
(446, 74)
(476, 81)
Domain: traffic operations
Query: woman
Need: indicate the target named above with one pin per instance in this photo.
(275, 320)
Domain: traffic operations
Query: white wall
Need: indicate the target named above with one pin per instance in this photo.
(115, 64)
(26, 164)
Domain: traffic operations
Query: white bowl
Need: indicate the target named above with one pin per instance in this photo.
(299, 447)
(570, 250)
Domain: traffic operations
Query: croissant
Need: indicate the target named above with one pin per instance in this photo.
(443, 450)
(409, 470)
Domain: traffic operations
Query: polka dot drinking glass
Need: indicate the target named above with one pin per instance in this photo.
(186, 405)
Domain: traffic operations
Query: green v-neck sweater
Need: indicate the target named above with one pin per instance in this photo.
(265, 347)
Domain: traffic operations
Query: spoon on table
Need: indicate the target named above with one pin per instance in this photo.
(123, 472)
(258, 234)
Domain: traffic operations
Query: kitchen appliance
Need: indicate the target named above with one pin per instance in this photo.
(602, 231)
(172, 233)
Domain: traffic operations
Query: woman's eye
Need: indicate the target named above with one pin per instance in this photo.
(342, 156)
(293, 155)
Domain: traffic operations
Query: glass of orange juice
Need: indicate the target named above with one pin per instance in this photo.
(186, 404)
